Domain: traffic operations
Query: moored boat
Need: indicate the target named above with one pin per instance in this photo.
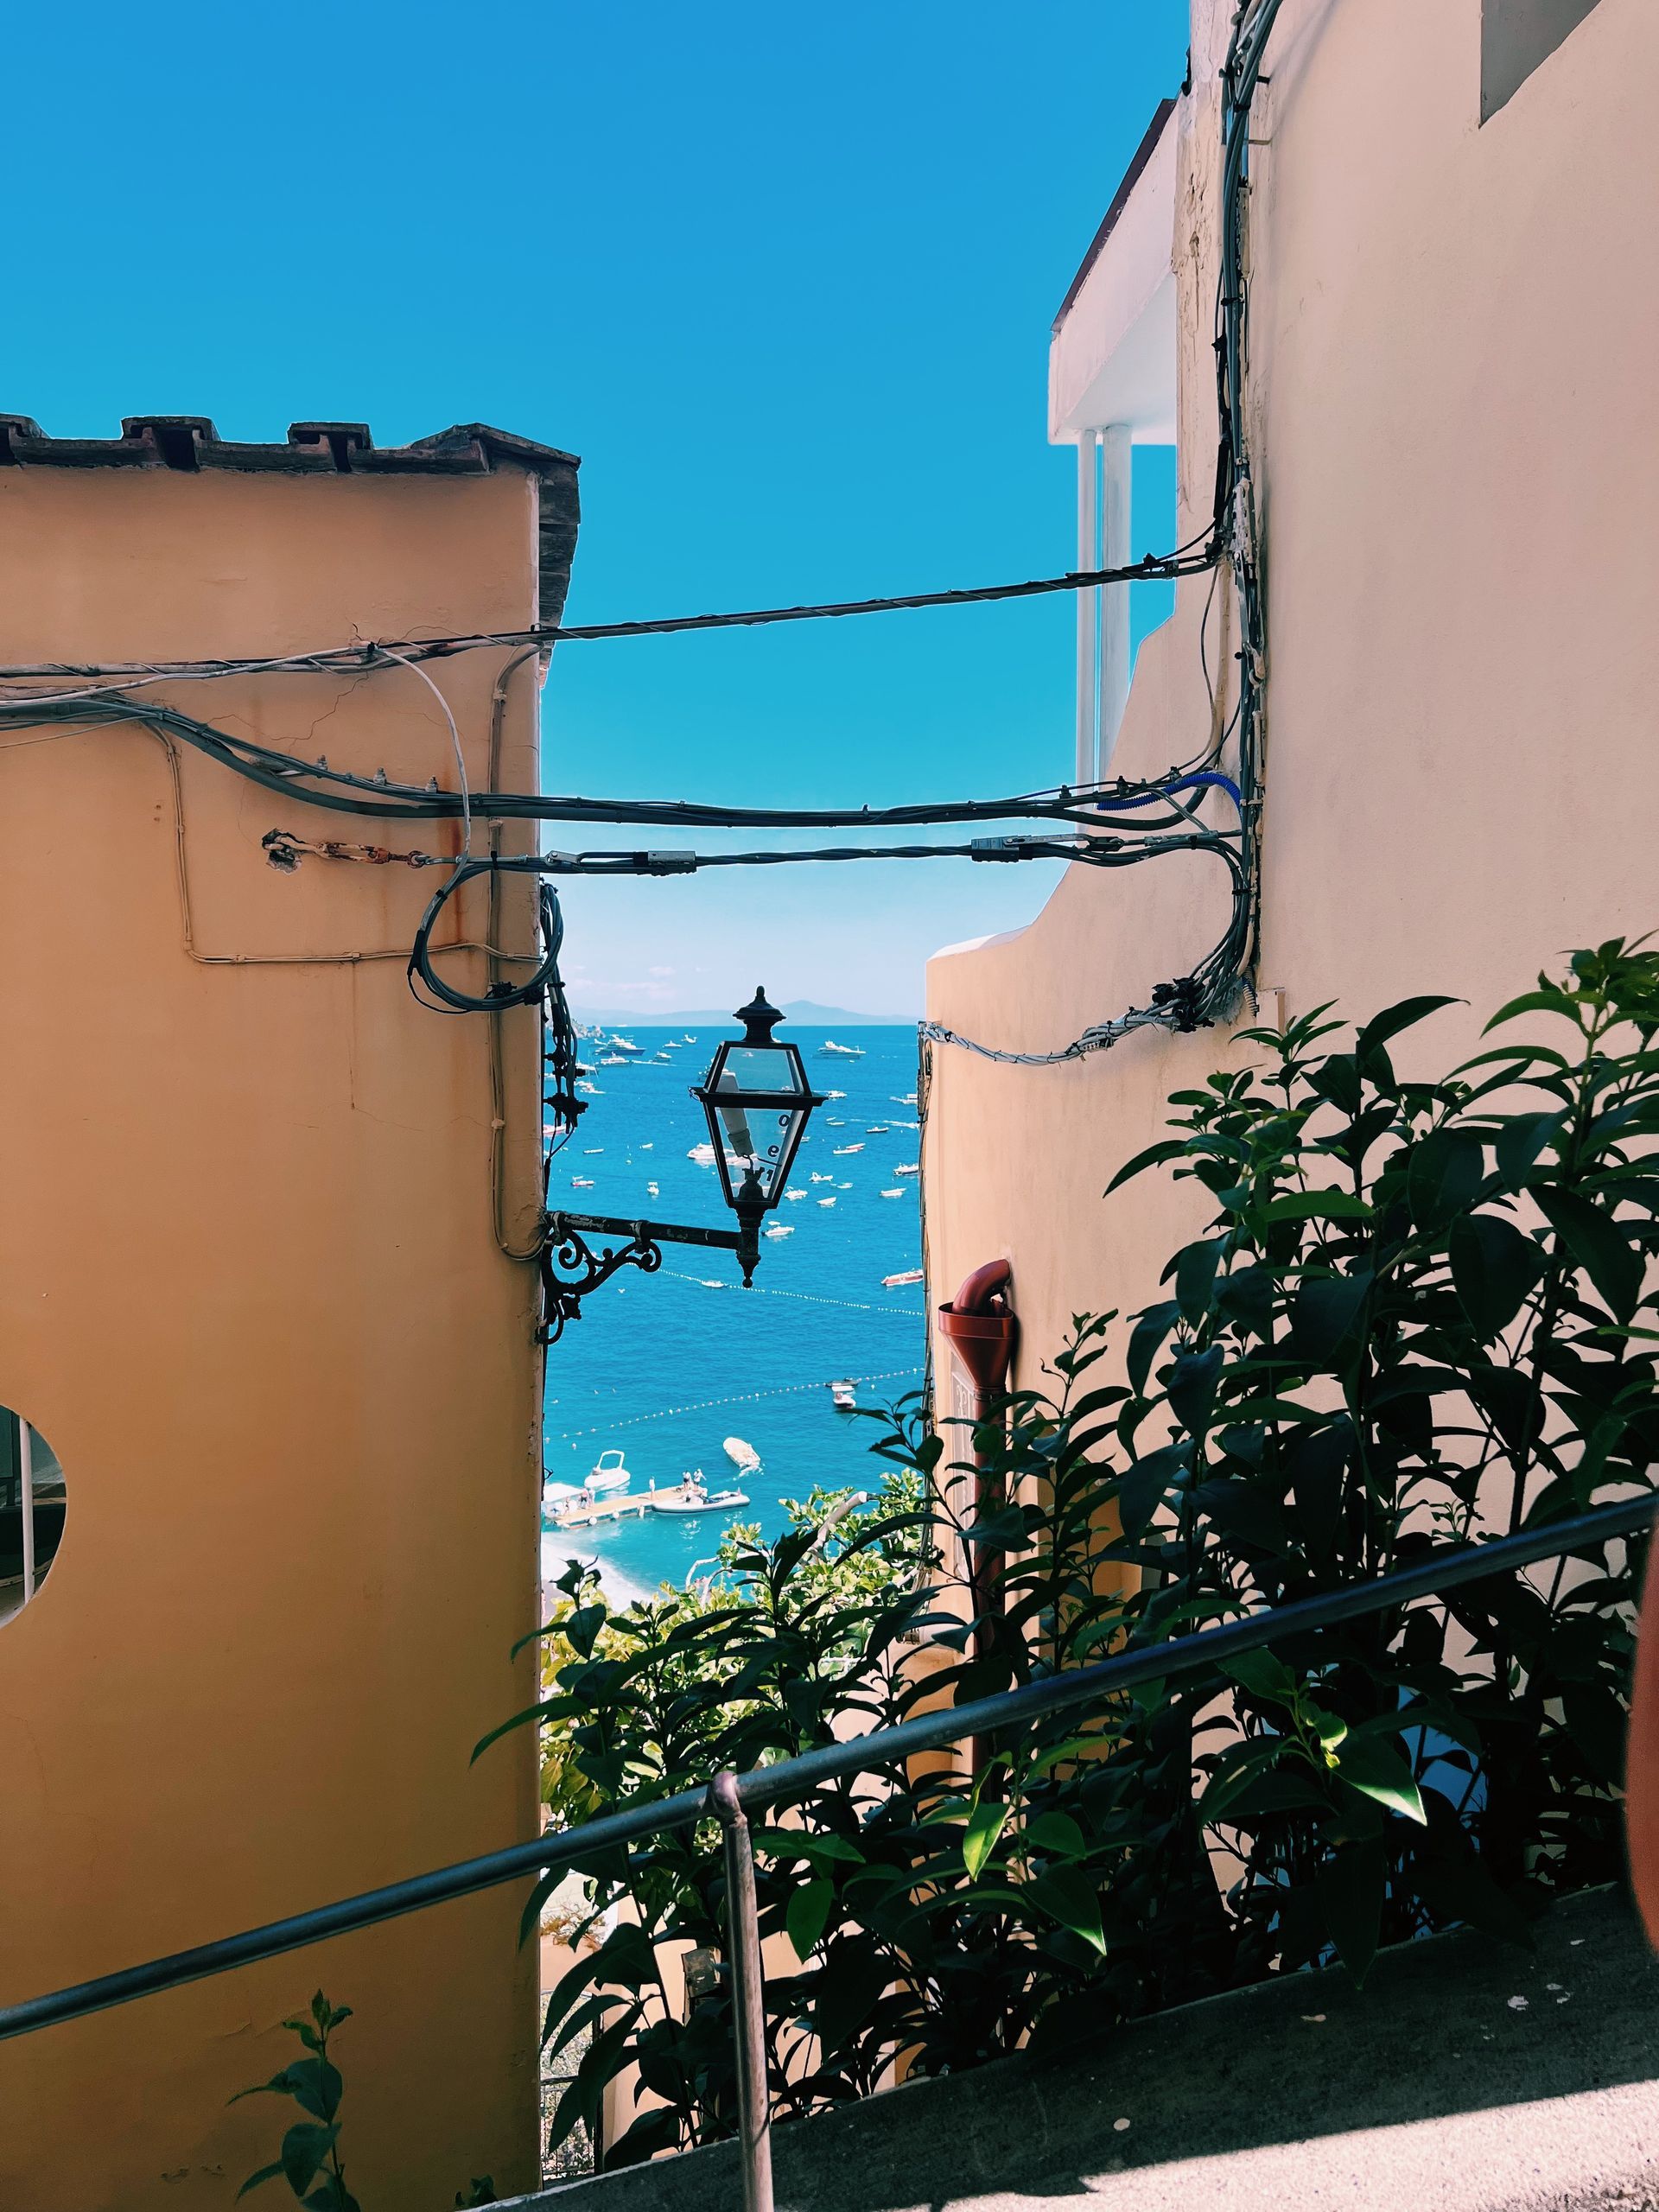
(609, 1473)
(692, 1495)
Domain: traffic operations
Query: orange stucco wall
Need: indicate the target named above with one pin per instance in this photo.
(1450, 396)
(250, 1291)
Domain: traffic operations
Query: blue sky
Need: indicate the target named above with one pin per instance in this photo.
(783, 278)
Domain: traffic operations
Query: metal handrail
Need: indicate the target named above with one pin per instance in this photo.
(730, 1798)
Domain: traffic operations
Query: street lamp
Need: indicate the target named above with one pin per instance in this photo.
(756, 1099)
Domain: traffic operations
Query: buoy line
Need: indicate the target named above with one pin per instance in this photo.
(747, 1398)
(808, 1297)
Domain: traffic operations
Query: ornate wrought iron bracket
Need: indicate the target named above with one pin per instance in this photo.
(571, 1266)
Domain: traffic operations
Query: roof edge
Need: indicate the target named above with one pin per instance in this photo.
(1143, 153)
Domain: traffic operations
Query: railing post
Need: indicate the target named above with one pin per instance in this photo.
(748, 2001)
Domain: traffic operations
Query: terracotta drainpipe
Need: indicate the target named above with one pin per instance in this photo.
(980, 1325)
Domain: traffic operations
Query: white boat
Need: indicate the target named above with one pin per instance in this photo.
(910, 1168)
(592, 1151)
(794, 1195)
(702, 1153)
(816, 1178)
(830, 1050)
(694, 1496)
(845, 1396)
(687, 1039)
(841, 1151)
(909, 1275)
(837, 1122)
(835, 1094)
(613, 1060)
(843, 1186)
(651, 1190)
(741, 1455)
(780, 1229)
(608, 1474)
(909, 1098)
(896, 1192)
(877, 1130)
(826, 1202)
(662, 1056)
(590, 1090)
(625, 1044)
(582, 1182)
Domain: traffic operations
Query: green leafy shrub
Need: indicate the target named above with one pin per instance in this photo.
(309, 2161)
(1416, 1316)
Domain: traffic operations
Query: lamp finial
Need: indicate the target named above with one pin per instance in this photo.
(760, 1018)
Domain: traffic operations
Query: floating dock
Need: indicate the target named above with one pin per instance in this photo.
(602, 1508)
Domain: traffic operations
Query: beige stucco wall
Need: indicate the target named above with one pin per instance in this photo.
(249, 1290)
(1452, 350)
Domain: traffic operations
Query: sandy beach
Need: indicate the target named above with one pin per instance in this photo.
(620, 1589)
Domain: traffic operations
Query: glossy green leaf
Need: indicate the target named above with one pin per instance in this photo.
(1520, 1142)
(1548, 999)
(1147, 1339)
(1246, 1297)
(1262, 1673)
(1326, 1315)
(1444, 1173)
(1192, 1382)
(1375, 1768)
(1155, 1155)
(1059, 1833)
(1602, 1248)
(305, 2146)
(1194, 1269)
(808, 1914)
(1494, 1269)
(1143, 1486)
(1392, 1020)
(1317, 1205)
(1071, 1898)
(985, 1826)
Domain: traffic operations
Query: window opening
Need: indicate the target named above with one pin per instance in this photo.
(31, 1511)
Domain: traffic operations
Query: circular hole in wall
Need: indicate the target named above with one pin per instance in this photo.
(31, 1511)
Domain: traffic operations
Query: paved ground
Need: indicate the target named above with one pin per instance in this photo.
(1468, 2077)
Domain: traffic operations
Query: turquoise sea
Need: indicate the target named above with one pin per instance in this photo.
(665, 1367)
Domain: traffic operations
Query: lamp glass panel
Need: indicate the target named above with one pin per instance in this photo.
(759, 1142)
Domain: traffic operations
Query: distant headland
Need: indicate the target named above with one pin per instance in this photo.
(805, 1011)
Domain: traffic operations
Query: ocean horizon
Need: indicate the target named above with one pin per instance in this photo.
(666, 1367)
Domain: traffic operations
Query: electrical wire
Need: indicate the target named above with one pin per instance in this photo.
(1186, 1002)
(338, 791)
(462, 791)
(1210, 990)
(363, 653)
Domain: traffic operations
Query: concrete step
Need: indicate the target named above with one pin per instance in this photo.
(1467, 2076)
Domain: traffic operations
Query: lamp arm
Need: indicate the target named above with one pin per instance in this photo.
(571, 1266)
